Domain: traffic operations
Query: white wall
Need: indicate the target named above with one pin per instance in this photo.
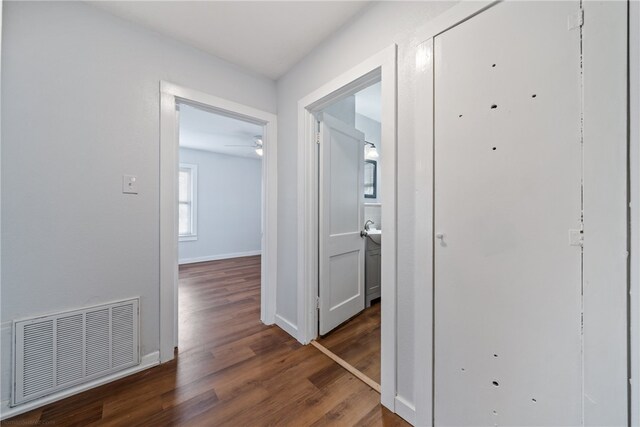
(344, 110)
(373, 212)
(377, 27)
(370, 128)
(228, 206)
(80, 107)
(4, 335)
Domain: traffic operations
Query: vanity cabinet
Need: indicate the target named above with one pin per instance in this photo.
(372, 272)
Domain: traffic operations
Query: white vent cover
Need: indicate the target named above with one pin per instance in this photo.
(62, 350)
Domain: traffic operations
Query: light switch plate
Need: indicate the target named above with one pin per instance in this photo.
(129, 184)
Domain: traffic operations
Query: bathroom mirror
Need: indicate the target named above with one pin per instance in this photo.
(370, 180)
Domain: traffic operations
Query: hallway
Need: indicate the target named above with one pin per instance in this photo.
(231, 370)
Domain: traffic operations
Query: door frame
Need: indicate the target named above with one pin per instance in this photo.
(379, 67)
(605, 151)
(170, 96)
(634, 178)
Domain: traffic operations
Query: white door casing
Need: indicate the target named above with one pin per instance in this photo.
(341, 205)
(170, 95)
(507, 218)
(381, 66)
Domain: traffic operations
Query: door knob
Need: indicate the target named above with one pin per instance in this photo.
(440, 236)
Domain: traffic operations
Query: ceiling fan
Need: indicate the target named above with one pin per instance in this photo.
(257, 145)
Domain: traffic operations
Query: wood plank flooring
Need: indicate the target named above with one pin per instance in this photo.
(231, 370)
(357, 342)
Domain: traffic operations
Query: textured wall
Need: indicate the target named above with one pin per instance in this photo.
(228, 205)
(381, 25)
(80, 108)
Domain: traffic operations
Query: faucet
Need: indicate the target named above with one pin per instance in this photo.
(367, 224)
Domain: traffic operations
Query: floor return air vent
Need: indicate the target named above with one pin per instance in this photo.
(63, 350)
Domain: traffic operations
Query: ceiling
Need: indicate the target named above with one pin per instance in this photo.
(369, 103)
(267, 37)
(204, 130)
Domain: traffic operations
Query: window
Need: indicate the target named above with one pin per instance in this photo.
(187, 191)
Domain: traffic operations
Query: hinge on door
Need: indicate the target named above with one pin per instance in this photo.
(576, 237)
(317, 303)
(575, 20)
(318, 133)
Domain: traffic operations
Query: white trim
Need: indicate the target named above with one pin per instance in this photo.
(170, 95)
(193, 175)
(382, 66)
(424, 185)
(634, 163)
(286, 325)
(423, 249)
(605, 209)
(406, 410)
(148, 361)
(219, 257)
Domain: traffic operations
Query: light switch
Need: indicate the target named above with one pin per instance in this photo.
(129, 184)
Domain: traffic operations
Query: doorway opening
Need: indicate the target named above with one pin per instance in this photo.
(218, 205)
(331, 229)
(219, 223)
(350, 232)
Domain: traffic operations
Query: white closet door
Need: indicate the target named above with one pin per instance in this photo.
(341, 220)
(507, 195)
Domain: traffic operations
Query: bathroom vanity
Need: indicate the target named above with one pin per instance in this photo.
(372, 266)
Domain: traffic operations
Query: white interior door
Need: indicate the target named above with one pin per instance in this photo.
(341, 216)
(507, 207)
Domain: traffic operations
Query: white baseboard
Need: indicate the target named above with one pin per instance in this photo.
(218, 257)
(148, 361)
(268, 320)
(406, 410)
(287, 326)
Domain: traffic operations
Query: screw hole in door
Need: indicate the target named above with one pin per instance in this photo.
(495, 383)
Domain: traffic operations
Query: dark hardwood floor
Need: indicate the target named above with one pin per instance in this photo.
(358, 342)
(231, 370)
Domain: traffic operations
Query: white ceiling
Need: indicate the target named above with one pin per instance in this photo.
(203, 130)
(368, 102)
(268, 37)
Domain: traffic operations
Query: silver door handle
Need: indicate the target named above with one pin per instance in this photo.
(440, 236)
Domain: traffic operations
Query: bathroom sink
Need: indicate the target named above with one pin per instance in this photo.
(375, 235)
